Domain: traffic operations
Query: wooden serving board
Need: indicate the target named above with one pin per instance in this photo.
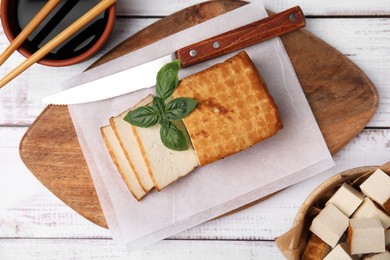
(341, 96)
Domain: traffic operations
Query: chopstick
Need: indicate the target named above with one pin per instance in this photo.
(60, 38)
(38, 18)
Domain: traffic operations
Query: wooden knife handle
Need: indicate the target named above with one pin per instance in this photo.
(267, 28)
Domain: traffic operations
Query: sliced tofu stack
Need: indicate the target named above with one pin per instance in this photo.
(121, 162)
(165, 165)
(140, 156)
(232, 98)
(128, 142)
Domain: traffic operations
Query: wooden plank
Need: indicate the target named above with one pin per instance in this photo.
(107, 249)
(31, 211)
(25, 200)
(310, 7)
(364, 41)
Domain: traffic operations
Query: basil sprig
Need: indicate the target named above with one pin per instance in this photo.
(172, 137)
(143, 117)
(167, 79)
(165, 113)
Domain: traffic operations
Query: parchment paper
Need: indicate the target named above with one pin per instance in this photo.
(295, 153)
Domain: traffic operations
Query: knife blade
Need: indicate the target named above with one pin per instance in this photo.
(139, 76)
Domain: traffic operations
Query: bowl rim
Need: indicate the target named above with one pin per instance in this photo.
(65, 62)
(327, 185)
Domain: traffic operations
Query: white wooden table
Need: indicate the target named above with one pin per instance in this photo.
(34, 224)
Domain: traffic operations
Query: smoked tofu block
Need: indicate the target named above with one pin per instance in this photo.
(368, 209)
(340, 252)
(377, 187)
(380, 256)
(346, 199)
(330, 224)
(315, 249)
(121, 162)
(366, 236)
(128, 142)
(234, 110)
(165, 166)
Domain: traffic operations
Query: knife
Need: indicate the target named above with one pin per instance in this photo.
(139, 76)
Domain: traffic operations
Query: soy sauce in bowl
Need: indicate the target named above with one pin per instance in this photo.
(78, 47)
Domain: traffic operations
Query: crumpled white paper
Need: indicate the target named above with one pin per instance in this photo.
(297, 152)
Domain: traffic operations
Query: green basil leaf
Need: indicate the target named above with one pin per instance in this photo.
(167, 79)
(172, 137)
(179, 108)
(159, 105)
(142, 117)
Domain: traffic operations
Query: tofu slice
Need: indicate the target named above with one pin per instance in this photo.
(128, 142)
(340, 252)
(330, 224)
(346, 199)
(368, 209)
(165, 166)
(377, 187)
(366, 236)
(121, 162)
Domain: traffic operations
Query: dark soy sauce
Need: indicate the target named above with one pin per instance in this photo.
(65, 13)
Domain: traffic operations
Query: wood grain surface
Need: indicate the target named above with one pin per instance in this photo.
(342, 98)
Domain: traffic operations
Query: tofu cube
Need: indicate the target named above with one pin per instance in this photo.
(368, 209)
(366, 236)
(380, 256)
(340, 252)
(346, 199)
(330, 224)
(315, 248)
(377, 187)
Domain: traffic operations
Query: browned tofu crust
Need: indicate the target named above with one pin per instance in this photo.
(234, 109)
(315, 249)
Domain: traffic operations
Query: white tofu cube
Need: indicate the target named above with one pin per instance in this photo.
(346, 199)
(377, 187)
(340, 252)
(366, 235)
(330, 224)
(368, 209)
(380, 256)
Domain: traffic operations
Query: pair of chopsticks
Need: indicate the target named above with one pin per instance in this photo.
(52, 44)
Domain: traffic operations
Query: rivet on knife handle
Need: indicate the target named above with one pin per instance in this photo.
(267, 28)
